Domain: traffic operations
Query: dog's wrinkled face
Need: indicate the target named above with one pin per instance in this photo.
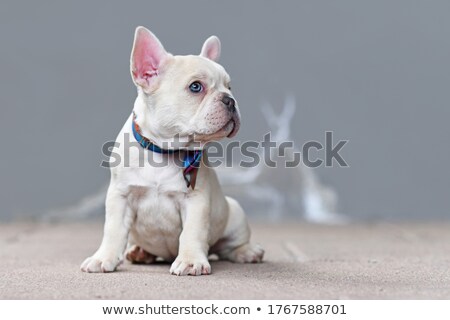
(187, 96)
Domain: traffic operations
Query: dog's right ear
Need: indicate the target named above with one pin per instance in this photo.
(146, 57)
(211, 49)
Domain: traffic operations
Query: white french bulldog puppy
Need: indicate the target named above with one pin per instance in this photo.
(173, 212)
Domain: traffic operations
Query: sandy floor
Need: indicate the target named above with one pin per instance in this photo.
(380, 261)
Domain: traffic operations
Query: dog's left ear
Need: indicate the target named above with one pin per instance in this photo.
(146, 57)
(211, 48)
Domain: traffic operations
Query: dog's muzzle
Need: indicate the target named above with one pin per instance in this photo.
(229, 103)
(235, 121)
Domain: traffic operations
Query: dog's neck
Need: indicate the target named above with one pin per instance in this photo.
(146, 143)
(147, 124)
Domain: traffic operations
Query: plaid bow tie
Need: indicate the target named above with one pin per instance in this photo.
(191, 163)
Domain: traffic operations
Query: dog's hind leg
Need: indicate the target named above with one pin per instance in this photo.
(137, 255)
(235, 244)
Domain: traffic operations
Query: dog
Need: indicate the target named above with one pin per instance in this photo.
(174, 212)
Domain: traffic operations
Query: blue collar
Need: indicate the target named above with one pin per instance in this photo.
(147, 143)
(191, 161)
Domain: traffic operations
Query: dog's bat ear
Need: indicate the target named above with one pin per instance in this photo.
(146, 57)
(211, 48)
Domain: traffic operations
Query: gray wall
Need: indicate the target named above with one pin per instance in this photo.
(374, 72)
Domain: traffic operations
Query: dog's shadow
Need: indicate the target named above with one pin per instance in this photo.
(219, 267)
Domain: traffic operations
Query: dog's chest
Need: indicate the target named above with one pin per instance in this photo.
(155, 189)
(156, 196)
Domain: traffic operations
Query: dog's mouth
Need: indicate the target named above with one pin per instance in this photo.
(231, 128)
(233, 125)
(228, 130)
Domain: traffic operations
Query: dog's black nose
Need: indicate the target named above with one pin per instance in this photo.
(229, 102)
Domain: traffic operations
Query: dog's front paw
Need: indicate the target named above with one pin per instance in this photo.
(183, 266)
(100, 263)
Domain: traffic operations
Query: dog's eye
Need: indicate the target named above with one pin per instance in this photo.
(196, 87)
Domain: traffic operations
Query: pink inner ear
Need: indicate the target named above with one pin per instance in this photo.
(147, 55)
(211, 48)
(212, 52)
